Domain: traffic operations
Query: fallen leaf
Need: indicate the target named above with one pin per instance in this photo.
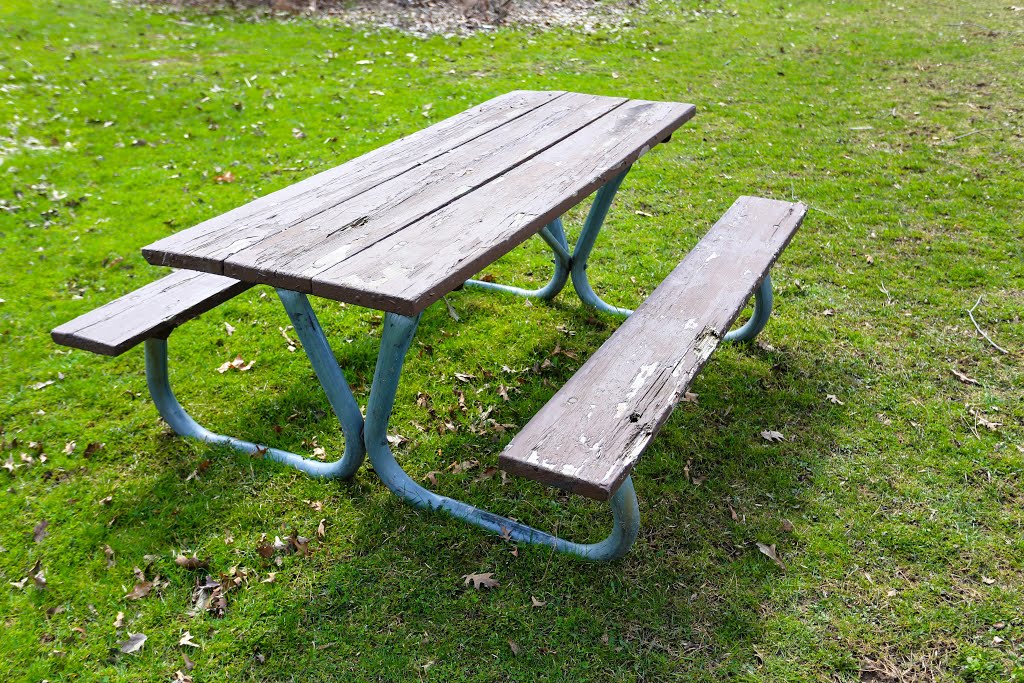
(192, 562)
(690, 397)
(451, 310)
(834, 399)
(189, 664)
(464, 377)
(226, 177)
(769, 552)
(321, 532)
(270, 578)
(870, 259)
(229, 328)
(480, 580)
(787, 526)
(133, 644)
(772, 436)
(42, 385)
(733, 515)
(266, 551)
(140, 591)
(431, 477)
(119, 620)
(964, 378)
(180, 677)
(109, 552)
(987, 581)
(187, 640)
(69, 448)
(106, 501)
(536, 603)
(39, 578)
(514, 647)
(91, 449)
(40, 532)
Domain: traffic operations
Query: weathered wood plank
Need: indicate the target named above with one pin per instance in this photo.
(291, 257)
(151, 311)
(204, 246)
(589, 436)
(412, 268)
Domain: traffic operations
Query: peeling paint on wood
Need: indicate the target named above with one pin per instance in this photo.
(626, 391)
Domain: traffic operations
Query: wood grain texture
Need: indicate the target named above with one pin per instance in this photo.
(589, 436)
(151, 311)
(291, 257)
(410, 269)
(205, 246)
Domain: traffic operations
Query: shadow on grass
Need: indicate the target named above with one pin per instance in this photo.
(389, 598)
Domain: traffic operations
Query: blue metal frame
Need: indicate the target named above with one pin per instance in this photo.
(331, 378)
(397, 336)
(369, 436)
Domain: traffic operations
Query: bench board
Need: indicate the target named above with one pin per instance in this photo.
(370, 231)
(152, 311)
(589, 436)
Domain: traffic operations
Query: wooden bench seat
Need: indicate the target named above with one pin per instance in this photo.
(152, 311)
(589, 436)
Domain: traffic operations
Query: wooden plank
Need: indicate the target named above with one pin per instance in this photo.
(290, 258)
(414, 267)
(589, 436)
(204, 246)
(151, 311)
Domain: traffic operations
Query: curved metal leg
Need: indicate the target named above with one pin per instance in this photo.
(327, 370)
(759, 318)
(398, 333)
(554, 234)
(585, 244)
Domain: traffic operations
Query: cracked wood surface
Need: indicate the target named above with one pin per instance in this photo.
(589, 436)
(402, 226)
(150, 311)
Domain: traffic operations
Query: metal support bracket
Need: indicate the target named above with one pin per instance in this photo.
(331, 378)
(395, 342)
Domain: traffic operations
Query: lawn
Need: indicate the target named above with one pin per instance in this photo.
(896, 500)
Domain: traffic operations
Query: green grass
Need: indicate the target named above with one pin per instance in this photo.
(901, 128)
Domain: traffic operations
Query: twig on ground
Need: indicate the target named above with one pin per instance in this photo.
(981, 331)
(973, 132)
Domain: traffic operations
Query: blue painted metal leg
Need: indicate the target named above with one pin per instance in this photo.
(585, 244)
(554, 234)
(398, 333)
(327, 370)
(759, 318)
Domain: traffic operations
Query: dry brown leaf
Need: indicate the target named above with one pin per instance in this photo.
(464, 377)
(271, 577)
(187, 640)
(180, 677)
(20, 585)
(109, 552)
(787, 526)
(265, 550)
(133, 644)
(733, 515)
(534, 602)
(431, 477)
(140, 591)
(834, 399)
(503, 392)
(91, 449)
(192, 562)
(769, 552)
(119, 620)
(39, 578)
(39, 532)
(480, 580)
(690, 397)
(772, 436)
(321, 531)
(69, 448)
(514, 647)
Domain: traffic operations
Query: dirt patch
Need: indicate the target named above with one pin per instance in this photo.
(437, 17)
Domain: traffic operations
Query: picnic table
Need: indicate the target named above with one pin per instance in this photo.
(398, 228)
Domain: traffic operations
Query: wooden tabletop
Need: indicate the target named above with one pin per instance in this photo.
(400, 227)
